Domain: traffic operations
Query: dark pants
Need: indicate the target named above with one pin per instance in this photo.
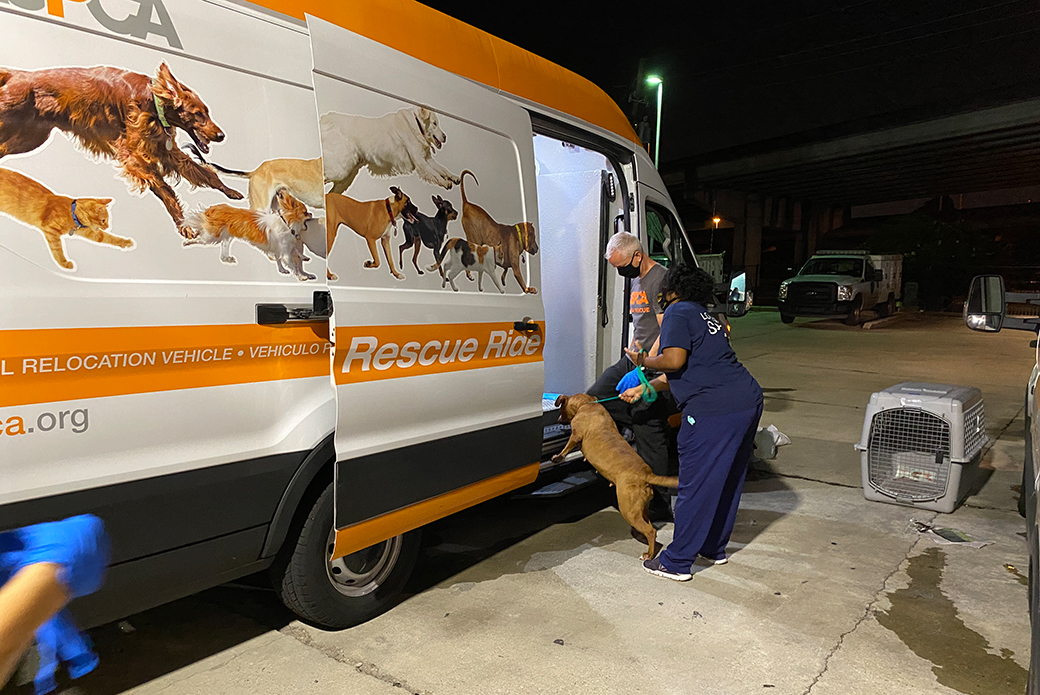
(649, 422)
(713, 459)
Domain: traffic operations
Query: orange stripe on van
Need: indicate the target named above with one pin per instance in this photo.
(45, 366)
(390, 352)
(376, 530)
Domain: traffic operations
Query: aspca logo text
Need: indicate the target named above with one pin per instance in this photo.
(136, 18)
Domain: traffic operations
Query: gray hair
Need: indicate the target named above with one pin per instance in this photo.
(625, 243)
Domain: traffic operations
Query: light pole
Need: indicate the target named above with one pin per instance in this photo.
(655, 80)
(711, 244)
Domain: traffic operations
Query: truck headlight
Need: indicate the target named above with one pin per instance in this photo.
(844, 293)
(783, 289)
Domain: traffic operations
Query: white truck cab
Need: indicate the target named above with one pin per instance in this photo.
(841, 284)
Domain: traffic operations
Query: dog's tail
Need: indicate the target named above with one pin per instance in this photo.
(462, 183)
(231, 172)
(663, 480)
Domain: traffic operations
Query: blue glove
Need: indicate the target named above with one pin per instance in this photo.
(59, 640)
(628, 381)
(81, 548)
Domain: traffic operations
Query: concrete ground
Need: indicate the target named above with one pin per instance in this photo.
(826, 592)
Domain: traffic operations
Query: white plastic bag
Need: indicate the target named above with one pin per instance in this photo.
(768, 440)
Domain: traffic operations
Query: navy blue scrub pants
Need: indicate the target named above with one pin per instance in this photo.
(714, 451)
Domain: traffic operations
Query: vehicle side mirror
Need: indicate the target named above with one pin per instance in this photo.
(738, 298)
(985, 310)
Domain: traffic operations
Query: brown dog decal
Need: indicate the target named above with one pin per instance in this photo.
(595, 433)
(114, 114)
(373, 220)
(510, 241)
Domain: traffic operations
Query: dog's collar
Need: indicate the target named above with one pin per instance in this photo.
(390, 212)
(422, 131)
(79, 225)
(161, 111)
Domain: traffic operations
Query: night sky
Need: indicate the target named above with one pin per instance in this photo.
(780, 73)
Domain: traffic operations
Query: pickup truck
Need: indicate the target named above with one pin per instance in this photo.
(841, 284)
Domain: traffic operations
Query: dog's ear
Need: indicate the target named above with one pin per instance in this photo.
(397, 192)
(561, 401)
(165, 85)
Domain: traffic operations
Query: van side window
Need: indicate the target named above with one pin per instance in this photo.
(664, 237)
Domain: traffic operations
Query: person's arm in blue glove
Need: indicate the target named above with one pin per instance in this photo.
(49, 564)
(28, 600)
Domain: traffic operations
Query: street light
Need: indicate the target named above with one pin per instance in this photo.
(711, 244)
(655, 80)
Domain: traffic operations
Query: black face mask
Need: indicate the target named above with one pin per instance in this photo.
(630, 271)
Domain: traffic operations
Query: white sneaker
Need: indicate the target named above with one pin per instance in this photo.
(722, 561)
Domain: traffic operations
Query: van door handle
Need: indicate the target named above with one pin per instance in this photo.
(320, 309)
(525, 326)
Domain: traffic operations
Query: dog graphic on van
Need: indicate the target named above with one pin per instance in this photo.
(57, 216)
(459, 255)
(373, 220)
(426, 231)
(301, 177)
(275, 232)
(114, 114)
(510, 241)
(396, 144)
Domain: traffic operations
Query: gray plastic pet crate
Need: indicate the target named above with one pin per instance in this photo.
(922, 444)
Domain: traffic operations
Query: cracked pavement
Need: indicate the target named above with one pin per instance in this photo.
(826, 593)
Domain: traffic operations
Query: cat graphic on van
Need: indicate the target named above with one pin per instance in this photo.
(57, 216)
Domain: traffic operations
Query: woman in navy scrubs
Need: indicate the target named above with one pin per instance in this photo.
(721, 404)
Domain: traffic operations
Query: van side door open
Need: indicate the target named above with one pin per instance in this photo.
(434, 275)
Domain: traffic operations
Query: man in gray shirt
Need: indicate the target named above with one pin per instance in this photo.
(649, 422)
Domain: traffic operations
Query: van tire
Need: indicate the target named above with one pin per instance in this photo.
(786, 318)
(855, 312)
(305, 583)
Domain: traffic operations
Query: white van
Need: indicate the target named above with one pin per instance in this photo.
(178, 356)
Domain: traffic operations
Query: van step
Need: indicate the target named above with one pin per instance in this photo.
(572, 483)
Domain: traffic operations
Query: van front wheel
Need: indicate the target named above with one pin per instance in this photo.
(350, 590)
(786, 318)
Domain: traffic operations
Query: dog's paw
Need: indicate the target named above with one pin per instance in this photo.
(230, 260)
(233, 194)
(557, 458)
(125, 243)
(331, 275)
(531, 290)
(371, 264)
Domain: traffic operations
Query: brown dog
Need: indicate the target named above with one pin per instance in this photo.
(373, 219)
(594, 431)
(116, 114)
(510, 241)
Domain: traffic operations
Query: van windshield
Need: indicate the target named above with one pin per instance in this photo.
(833, 266)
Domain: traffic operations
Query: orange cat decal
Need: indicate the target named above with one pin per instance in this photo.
(57, 216)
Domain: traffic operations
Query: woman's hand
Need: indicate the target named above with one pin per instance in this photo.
(633, 394)
(637, 357)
